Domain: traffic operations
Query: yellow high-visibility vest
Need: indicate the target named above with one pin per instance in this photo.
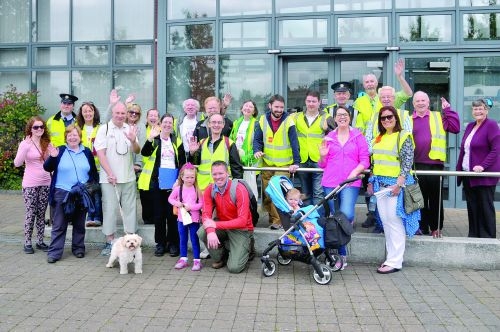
(204, 177)
(386, 154)
(438, 137)
(277, 148)
(310, 137)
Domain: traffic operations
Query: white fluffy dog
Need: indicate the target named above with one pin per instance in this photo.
(127, 249)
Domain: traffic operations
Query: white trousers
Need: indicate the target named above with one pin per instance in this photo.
(395, 235)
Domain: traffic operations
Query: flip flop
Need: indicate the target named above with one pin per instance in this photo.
(382, 269)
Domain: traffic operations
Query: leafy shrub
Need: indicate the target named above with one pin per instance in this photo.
(15, 110)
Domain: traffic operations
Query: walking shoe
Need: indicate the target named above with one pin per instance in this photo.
(419, 232)
(97, 223)
(204, 254)
(90, 223)
(106, 251)
(173, 250)
(340, 264)
(160, 250)
(42, 246)
(196, 265)
(276, 227)
(181, 264)
(219, 264)
(369, 222)
(51, 260)
(378, 230)
(28, 249)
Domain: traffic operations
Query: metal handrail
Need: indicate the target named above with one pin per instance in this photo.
(437, 173)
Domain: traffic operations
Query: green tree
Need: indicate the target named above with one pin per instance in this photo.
(15, 110)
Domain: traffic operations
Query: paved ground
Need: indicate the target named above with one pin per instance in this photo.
(76, 294)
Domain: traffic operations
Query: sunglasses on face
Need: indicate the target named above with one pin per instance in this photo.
(387, 118)
(38, 127)
(134, 113)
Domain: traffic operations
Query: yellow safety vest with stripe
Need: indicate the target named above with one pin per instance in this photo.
(277, 148)
(88, 141)
(148, 167)
(365, 109)
(145, 159)
(438, 137)
(56, 129)
(310, 137)
(386, 154)
(402, 117)
(204, 176)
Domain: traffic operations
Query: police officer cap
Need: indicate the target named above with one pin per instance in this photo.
(67, 98)
(341, 87)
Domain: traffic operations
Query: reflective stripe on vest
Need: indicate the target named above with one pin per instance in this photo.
(148, 167)
(277, 149)
(310, 137)
(386, 154)
(204, 176)
(438, 137)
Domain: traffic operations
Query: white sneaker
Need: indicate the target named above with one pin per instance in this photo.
(204, 254)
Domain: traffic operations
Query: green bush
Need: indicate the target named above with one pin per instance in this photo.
(15, 110)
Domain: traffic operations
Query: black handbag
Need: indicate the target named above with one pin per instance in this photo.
(337, 230)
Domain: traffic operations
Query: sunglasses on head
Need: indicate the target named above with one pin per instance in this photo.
(387, 117)
(88, 103)
(38, 127)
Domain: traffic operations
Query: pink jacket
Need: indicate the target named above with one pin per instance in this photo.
(341, 160)
(189, 197)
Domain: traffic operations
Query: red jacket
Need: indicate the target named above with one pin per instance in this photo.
(229, 215)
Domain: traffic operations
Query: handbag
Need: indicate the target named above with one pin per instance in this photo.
(337, 230)
(412, 197)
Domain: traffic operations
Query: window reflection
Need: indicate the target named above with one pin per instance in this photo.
(13, 57)
(52, 20)
(50, 84)
(430, 28)
(94, 85)
(133, 19)
(301, 6)
(481, 26)
(245, 7)
(340, 5)
(363, 30)
(137, 81)
(91, 55)
(424, 3)
(186, 9)
(246, 77)
(191, 37)
(303, 32)
(14, 21)
(91, 20)
(189, 77)
(468, 3)
(303, 76)
(51, 56)
(133, 54)
(245, 34)
(21, 80)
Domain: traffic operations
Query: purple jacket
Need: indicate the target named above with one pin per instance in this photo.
(484, 150)
(341, 160)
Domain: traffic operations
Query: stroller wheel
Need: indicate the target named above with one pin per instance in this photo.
(268, 271)
(327, 275)
(282, 260)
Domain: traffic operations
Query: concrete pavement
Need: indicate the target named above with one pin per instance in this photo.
(81, 294)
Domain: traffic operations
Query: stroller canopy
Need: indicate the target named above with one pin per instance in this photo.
(277, 188)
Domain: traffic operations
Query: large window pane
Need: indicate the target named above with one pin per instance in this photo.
(191, 37)
(13, 57)
(21, 80)
(189, 77)
(424, 3)
(303, 32)
(52, 20)
(245, 7)
(363, 30)
(14, 21)
(138, 82)
(91, 20)
(245, 34)
(93, 85)
(133, 54)
(303, 76)
(246, 77)
(468, 3)
(429, 28)
(91, 55)
(51, 84)
(349, 5)
(481, 26)
(185, 9)
(51, 56)
(302, 6)
(134, 19)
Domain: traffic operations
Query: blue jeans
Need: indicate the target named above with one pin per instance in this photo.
(347, 200)
(183, 238)
(311, 185)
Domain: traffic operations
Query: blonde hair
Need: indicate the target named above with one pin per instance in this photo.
(70, 128)
(294, 192)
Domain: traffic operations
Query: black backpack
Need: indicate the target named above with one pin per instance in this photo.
(337, 230)
(251, 196)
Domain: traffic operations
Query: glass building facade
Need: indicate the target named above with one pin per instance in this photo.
(166, 51)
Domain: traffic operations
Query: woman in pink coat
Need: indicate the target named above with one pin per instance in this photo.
(343, 155)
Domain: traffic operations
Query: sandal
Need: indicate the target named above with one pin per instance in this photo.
(386, 269)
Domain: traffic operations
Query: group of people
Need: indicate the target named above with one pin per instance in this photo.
(183, 169)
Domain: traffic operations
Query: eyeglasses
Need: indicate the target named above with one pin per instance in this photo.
(342, 115)
(134, 113)
(387, 118)
(216, 122)
(38, 127)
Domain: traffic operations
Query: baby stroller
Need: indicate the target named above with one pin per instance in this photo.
(304, 239)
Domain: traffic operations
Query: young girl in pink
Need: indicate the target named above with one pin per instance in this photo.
(187, 196)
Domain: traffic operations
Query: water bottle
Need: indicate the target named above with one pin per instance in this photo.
(372, 205)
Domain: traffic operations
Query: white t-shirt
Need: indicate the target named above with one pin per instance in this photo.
(167, 154)
(186, 130)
